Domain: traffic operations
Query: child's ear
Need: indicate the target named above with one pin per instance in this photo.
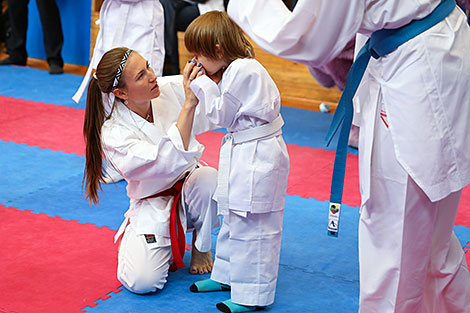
(219, 51)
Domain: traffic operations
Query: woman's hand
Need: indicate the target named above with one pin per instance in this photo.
(191, 71)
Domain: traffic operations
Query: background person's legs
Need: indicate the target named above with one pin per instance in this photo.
(53, 36)
(18, 17)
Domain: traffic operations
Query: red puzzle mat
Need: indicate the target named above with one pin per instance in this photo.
(50, 265)
(38, 124)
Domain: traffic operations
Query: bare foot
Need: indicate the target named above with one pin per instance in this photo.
(201, 262)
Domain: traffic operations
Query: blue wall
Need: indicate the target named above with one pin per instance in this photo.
(76, 24)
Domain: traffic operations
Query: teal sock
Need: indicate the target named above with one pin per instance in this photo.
(229, 307)
(208, 285)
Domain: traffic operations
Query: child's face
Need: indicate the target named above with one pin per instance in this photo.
(211, 66)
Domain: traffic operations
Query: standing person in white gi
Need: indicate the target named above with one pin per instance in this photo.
(238, 94)
(138, 24)
(415, 161)
(158, 155)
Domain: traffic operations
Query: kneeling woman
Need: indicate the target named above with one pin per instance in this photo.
(169, 191)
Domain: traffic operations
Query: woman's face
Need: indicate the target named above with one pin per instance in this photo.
(140, 80)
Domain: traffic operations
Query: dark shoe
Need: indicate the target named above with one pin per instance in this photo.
(55, 69)
(10, 61)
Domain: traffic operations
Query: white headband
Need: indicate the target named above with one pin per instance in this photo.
(120, 68)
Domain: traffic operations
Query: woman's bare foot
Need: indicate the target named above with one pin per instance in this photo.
(201, 262)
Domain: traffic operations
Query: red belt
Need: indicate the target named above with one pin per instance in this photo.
(177, 236)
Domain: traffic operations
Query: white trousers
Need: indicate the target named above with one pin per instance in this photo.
(143, 267)
(247, 256)
(410, 259)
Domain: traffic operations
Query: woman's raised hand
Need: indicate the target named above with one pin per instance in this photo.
(191, 71)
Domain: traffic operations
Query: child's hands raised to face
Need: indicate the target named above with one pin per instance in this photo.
(191, 71)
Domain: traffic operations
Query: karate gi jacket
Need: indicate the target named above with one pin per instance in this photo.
(151, 157)
(423, 85)
(136, 24)
(247, 97)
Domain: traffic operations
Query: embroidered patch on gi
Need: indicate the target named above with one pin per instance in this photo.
(150, 238)
(383, 116)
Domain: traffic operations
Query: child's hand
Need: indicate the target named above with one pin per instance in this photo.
(191, 71)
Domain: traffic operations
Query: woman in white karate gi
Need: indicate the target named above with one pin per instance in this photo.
(156, 152)
(413, 111)
(138, 24)
(238, 94)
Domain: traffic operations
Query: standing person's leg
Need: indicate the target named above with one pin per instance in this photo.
(178, 15)
(447, 287)
(201, 215)
(221, 270)
(185, 14)
(18, 16)
(220, 276)
(2, 24)
(396, 231)
(254, 245)
(171, 40)
(53, 36)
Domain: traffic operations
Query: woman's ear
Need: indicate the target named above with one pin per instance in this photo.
(120, 93)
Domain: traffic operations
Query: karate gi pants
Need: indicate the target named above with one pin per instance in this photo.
(143, 267)
(247, 256)
(410, 259)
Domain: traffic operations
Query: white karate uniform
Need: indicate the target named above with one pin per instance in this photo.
(248, 246)
(151, 158)
(136, 24)
(422, 87)
(210, 5)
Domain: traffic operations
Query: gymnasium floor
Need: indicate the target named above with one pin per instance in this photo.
(58, 253)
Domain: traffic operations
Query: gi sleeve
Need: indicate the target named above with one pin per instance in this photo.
(138, 159)
(220, 107)
(313, 33)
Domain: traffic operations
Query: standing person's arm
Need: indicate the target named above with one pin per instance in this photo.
(313, 33)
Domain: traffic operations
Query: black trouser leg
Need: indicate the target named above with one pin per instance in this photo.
(18, 15)
(2, 23)
(171, 40)
(52, 29)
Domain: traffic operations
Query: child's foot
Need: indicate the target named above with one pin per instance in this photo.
(208, 285)
(229, 307)
(201, 262)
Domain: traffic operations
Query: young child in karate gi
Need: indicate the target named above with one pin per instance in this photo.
(150, 142)
(413, 111)
(238, 94)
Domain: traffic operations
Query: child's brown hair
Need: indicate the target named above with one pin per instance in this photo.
(215, 35)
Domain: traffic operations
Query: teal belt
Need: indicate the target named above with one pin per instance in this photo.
(380, 43)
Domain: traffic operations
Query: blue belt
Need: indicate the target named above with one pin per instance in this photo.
(380, 43)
